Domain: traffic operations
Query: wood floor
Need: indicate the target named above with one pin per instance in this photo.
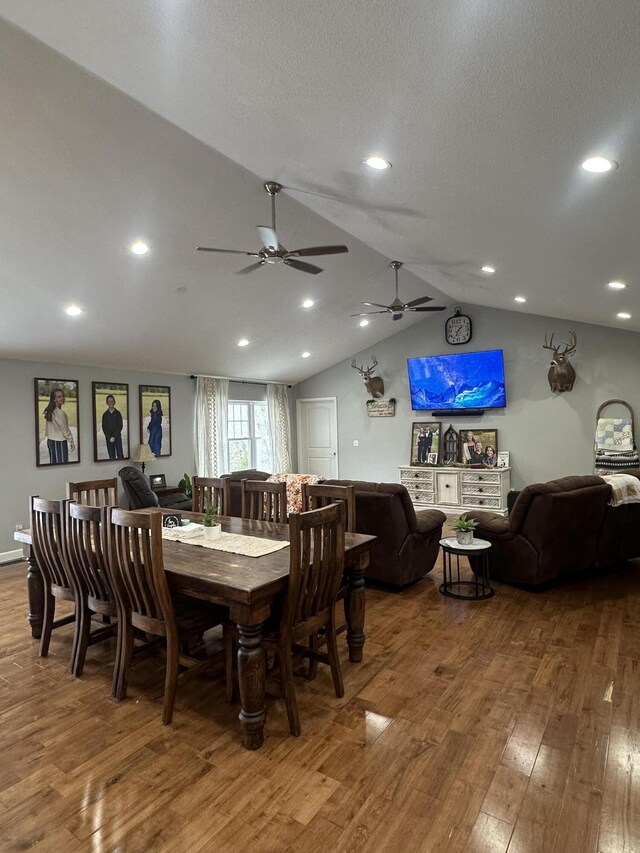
(504, 725)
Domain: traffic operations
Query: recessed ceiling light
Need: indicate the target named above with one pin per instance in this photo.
(488, 269)
(520, 298)
(308, 303)
(73, 310)
(599, 164)
(364, 322)
(379, 163)
(243, 342)
(139, 248)
(306, 354)
(623, 315)
(617, 285)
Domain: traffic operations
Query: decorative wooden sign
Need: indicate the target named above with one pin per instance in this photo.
(381, 408)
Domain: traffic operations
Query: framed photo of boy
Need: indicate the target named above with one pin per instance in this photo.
(425, 443)
(155, 418)
(110, 421)
(57, 421)
(479, 447)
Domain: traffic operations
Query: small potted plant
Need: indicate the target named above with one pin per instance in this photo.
(212, 528)
(464, 528)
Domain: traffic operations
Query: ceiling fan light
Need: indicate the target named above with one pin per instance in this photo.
(364, 323)
(488, 269)
(378, 163)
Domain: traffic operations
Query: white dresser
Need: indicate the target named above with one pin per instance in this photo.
(458, 489)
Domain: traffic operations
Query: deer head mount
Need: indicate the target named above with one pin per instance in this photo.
(561, 373)
(373, 384)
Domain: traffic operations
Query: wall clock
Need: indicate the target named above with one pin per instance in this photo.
(457, 329)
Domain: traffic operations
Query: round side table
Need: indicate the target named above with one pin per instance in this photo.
(473, 590)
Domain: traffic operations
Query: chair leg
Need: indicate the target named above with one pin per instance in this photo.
(81, 632)
(289, 690)
(117, 664)
(313, 663)
(126, 653)
(334, 659)
(229, 654)
(47, 622)
(171, 677)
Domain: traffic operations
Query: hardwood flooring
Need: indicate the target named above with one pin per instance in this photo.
(511, 724)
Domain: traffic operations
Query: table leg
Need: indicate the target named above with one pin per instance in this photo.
(355, 608)
(35, 594)
(252, 680)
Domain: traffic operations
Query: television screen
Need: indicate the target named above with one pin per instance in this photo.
(466, 380)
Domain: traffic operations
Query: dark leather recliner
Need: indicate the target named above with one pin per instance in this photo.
(235, 497)
(141, 496)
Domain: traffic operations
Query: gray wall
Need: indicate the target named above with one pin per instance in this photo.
(548, 435)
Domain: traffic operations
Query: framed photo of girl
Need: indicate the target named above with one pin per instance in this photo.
(479, 447)
(57, 421)
(425, 443)
(110, 421)
(155, 418)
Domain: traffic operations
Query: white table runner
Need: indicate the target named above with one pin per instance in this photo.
(232, 543)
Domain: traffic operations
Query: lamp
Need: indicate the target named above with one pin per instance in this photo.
(143, 454)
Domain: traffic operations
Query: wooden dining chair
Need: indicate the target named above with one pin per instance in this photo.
(94, 492)
(145, 602)
(46, 520)
(264, 501)
(315, 570)
(317, 495)
(211, 491)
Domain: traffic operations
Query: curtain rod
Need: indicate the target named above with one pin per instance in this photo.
(240, 381)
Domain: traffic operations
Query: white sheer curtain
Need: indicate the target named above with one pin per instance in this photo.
(212, 414)
(278, 406)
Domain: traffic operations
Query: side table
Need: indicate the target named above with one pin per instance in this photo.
(473, 590)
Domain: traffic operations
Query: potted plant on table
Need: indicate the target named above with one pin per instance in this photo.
(464, 528)
(212, 527)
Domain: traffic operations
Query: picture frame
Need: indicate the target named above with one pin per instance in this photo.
(110, 421)
(57, 431)
(425, 443)
(503, 459)
(475, 445)
(156, 418)
(157, 481)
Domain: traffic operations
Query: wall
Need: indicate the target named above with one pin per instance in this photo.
(548, 435)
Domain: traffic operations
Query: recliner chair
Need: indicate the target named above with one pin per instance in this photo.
(141, 495)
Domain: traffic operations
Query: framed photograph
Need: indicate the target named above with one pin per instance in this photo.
(503, 459)
(57, 421)
(157, 481)
(110, 421)
(172, 520)
(479, 446)
(155, 418)
(425, 443)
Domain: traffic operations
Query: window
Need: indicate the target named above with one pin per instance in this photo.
(249, 437)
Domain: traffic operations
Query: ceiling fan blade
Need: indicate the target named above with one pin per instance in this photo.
(268, 236)
(366, 313)
(318, 250)
(227, 251)
(431, 308)
(415, 302)
(302, 266)
(377, 305)
(250, 268)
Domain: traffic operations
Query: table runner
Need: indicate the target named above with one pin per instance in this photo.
(232, 543)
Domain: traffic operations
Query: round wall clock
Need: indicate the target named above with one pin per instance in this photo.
(457, 329)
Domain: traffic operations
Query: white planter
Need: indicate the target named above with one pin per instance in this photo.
(464, 537)
(214, 532)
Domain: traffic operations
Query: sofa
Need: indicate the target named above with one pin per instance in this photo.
(560, 529)
(235, 496)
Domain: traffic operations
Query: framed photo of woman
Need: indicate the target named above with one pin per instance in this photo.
(57, 422)
(155, 418)
(110, 421)
(479, 447)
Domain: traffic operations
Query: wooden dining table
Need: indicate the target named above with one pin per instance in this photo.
(249, 587)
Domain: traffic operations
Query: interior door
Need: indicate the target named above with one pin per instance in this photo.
(318, 436)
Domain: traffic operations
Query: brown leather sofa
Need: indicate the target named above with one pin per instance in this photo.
(234, 487)
(560, 529)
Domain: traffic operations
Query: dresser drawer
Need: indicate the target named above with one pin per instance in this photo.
(480, 489)
(422, 497)
(481, 477)
(481, 502)
(421, 475)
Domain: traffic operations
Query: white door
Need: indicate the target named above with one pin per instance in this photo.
(318, 437)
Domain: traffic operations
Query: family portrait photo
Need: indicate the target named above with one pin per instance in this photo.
(155, 418)
(425, 443)
(110, 421)
(479, 447)
(56, 415)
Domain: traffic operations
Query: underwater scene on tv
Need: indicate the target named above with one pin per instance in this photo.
(469, 380)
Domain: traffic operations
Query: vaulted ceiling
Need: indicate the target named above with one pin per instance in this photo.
(171, 114)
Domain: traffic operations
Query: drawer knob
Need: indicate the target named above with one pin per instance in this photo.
(480, 502)
(446, 485)
(480, 490)
(480, 477)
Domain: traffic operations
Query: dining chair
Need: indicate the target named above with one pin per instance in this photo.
(208, 491)
(46, 520)
(317, 495)
(316, 566)
(94, 492)
(264, 501)
(145, 602)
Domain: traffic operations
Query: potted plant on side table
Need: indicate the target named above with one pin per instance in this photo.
(464, 528)
(212, 527)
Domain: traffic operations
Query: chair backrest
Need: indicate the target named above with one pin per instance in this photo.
(208, 491)
(315, 496)
(137, 569)
(94, 492)
(137, 488)
(46, 519)
(85, 554)
(264, 501)
(316, 566)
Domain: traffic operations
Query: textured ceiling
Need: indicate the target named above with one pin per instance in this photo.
(486, 110)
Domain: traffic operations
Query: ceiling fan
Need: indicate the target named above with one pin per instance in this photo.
(398, 307)
(272, 251)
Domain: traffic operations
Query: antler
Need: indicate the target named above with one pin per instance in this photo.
(550, 344)
(374, 365)
(355, 367)
(571, 346)
(369, 370)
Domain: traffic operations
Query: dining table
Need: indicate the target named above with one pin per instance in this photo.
(251, 587)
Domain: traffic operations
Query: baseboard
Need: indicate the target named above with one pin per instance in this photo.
(11, 556)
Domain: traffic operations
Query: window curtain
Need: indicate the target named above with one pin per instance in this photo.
(211, 419)
(278, 407)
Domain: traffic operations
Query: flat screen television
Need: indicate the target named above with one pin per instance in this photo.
(460, 380)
